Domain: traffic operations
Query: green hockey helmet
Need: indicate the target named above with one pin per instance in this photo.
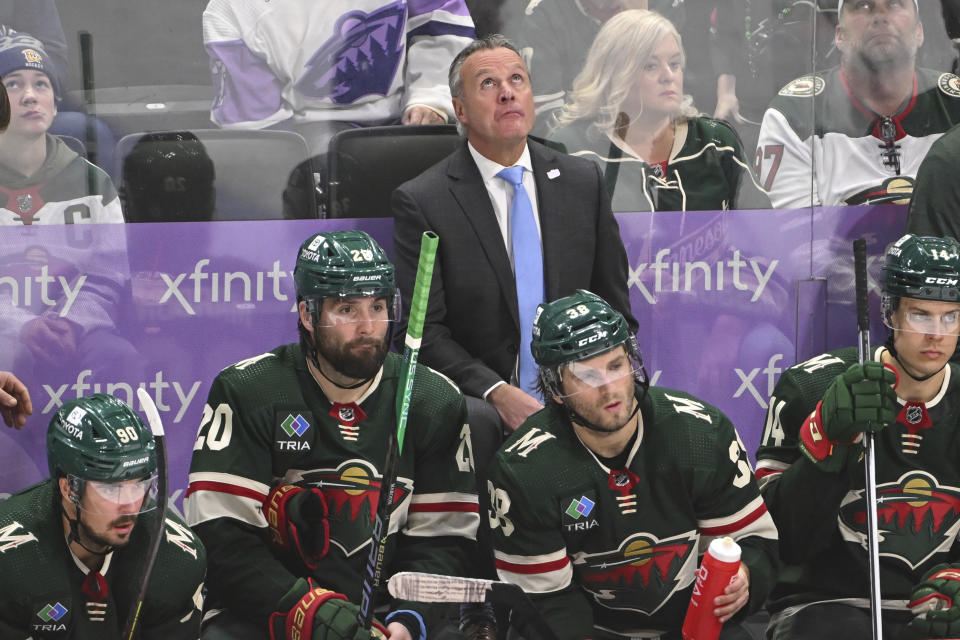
(575, 328)
(343, 264)
(99, 438)
(924, 268)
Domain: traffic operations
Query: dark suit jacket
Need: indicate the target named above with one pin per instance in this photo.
(472, 329)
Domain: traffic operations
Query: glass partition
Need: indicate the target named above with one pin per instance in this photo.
(233, 113)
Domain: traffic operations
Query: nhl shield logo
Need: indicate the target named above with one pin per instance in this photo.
(346, 414)
(25, 203)
(914, 414)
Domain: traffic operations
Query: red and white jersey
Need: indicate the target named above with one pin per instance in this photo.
(849, 155)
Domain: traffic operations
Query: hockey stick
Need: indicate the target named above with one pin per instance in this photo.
(373, 574)
(870, 464)
(89, 106)
(431, 587)
(156, 426)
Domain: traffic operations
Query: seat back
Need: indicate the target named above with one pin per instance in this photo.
(365, 165)
(251, 169)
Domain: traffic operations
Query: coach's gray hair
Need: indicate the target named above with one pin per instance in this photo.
(455, 80)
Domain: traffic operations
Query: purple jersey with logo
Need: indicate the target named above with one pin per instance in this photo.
(360, 62)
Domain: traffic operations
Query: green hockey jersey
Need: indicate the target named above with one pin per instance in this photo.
(707, 169)
(42, 594)
(821, 516)
(267, 422)
(612, 552)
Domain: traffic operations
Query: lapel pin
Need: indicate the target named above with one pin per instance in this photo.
(553, 173)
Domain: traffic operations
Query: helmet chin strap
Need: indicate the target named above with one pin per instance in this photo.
(74, 535)
(903, 367)
(576, 418)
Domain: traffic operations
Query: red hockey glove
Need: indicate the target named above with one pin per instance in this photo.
(319, 614)
(297, 518)
(935, 604)
(861, 399)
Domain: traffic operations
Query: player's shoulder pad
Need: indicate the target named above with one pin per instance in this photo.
(836, 361)
(683, 430)
(181, 545)
(26, 519)
(682, 408)
(541, 437)
(807, 380)
(256, 380)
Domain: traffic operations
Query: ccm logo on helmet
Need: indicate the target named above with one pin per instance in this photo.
(599, 336)
(946, 281)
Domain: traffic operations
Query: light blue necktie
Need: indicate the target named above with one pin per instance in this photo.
(528, 271)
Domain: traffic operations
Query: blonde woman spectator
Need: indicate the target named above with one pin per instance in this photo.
(628, 113)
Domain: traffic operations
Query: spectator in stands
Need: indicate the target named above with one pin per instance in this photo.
(40, 19)
(554, 38)
(319, 67)
(41, 180)
(875, 116)
(168, 177)
(629, 114)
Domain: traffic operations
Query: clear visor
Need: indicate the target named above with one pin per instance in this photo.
(594, 373)
(130, 496)
(340, 311)
(938, 318)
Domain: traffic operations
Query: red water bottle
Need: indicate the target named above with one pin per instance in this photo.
(720, 564)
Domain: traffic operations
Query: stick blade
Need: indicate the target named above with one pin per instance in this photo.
(431, 587)
(149, 408)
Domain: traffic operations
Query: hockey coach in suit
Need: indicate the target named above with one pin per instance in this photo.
(474, 321)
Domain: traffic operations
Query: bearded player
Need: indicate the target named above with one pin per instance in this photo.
(810, 464)
(603, 502)
(73, 548)
(288, 463)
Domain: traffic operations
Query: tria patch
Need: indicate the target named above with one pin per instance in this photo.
(804, 87)
(577, 512)
(52, 612)
(949, 84)
(294, 426)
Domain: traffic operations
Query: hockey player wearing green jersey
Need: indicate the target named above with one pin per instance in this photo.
(73, 548)
(288, 463)
(812, 473)
(603, 502)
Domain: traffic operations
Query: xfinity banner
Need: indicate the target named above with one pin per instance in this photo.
(725, 300)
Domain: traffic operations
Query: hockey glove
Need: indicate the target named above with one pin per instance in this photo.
(935, 604)
(861, 399)
(319, 614)
(297, 518)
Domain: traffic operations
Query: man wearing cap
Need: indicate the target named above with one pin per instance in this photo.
(74, 548)
(874, 117)
(41, 180)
